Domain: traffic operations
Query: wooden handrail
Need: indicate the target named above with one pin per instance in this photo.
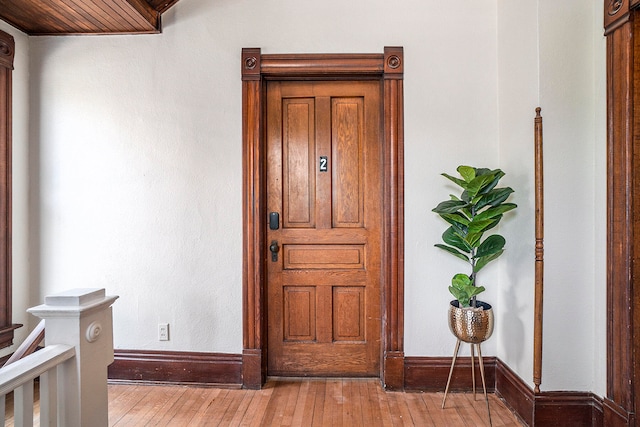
(29, 345)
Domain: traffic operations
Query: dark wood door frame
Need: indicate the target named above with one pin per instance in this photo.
(622, 27)
(256, 70)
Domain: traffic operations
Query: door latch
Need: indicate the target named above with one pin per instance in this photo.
(274, 221)
(274, 248)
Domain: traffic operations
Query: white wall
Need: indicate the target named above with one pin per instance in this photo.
(572, 127)
(139, 185)
(20, 137)
(518, 89)
(135, 158)
(598, 321)
(558, 64)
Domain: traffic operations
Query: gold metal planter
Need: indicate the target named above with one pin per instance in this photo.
(472, 325)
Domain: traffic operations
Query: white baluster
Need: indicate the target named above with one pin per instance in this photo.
(23, 405)
(3, 415)
(49, 398)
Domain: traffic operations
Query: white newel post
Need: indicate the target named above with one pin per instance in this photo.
(81, 318)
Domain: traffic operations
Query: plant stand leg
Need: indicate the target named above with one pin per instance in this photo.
(484, 386)
(473, 373)
(455, 355)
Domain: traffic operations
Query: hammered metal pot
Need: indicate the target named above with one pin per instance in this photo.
(472, 325)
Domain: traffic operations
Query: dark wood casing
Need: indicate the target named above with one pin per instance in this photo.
(256, 68)
(623, 214)
(7, 50)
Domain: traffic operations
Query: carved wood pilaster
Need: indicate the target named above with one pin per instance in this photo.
(393, 313)
(7, 49)
(253, 211)
(623, 214)
(616, 13)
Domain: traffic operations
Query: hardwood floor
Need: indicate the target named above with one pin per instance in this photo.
(299, 402)
(293, 402)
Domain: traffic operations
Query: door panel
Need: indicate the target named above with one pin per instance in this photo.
(298, 162)
(324, 177)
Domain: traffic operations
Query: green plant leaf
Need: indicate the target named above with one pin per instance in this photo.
(460, 296)
(483, 171)
(497, 174)
(463, 290)
(476, 290)
(449, 206)
(478, 184)
(458, 181)
(456, 218)
(452, 238)
(494, 197)
(467, 172)
(474, 234)
(460, 229)
(482, 262)
(490, 246)
(494, 211)
(452, 251)
(461, 281)
(481, 225)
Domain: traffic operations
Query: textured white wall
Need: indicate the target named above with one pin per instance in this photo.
(572, 64)
(557, 63)
(518, 89)
(139, 142)
(135, 158)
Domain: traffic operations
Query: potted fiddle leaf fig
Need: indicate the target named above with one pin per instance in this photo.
(478, 209)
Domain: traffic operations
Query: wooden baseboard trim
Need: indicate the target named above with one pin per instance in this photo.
(515, 393)
(252, 369)
(615, 415)
(573, 408)
(393, 371)
(431, 373)
(563, 408)
(176, 367)
(556, 408)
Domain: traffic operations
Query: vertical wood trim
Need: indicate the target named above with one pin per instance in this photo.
(393, 310)
(7, 49)
(255, 69)
(632, 292)
(621, 213)
(253, 371)
(539, 263)
(618, 215)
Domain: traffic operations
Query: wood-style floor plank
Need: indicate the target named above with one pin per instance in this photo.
(320, 396)
(297, 402)
(302, 404)
(243, 405)
(385, 407)
(144, 411)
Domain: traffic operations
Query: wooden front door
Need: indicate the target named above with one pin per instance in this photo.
(324, 197)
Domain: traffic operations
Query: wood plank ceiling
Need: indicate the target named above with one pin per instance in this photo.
(65, 17)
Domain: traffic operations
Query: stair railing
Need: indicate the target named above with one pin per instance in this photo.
(72, 366)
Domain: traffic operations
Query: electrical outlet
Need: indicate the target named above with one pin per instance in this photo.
(163, 332)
